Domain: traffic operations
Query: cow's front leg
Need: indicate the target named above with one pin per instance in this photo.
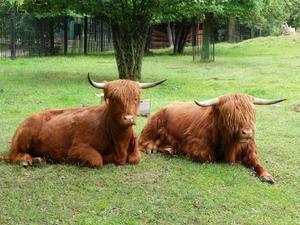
(196, 150)
(134, 156)
(120, 156)
(232, 152)
(117, 155)
(85, 155)
(251, 160)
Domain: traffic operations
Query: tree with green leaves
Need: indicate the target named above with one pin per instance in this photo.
(180, 14)
(130, 21)
(293, 8)
(183, 13)
(215, 10)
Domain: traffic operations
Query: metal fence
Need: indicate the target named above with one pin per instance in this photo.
(24, 35)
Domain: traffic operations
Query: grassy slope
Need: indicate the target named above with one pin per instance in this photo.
(160, 189)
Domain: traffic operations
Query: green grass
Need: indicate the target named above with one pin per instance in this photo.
(161, 189)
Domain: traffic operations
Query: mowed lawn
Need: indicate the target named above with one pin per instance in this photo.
(161, 189)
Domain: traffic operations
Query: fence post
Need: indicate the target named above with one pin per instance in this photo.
(51, 31)
(213, 47)
(65, 35)
(101, 36)
(85, 34)
(194, 38)
(13, 35)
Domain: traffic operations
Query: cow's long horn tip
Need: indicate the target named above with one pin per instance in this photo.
(162, 81)
(281, 100)
(89, 78)
(197, 103)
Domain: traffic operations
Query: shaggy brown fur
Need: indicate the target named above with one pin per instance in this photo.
(225, 132)
(90, 136)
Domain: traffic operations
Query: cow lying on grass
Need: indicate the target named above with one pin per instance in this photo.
(90, 136)
(222, 129)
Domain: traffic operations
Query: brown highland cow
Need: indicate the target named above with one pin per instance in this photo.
(90, 136)
(221, 129)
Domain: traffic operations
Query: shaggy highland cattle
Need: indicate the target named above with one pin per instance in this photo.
(90, 136)
(222, 129)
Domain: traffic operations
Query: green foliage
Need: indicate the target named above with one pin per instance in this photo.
(47, 8)
(189, 9)
(266, 15)
(178, 10)
(10, 5)
(124, 12)
(293, 8)
(273, 13)
(161, 189)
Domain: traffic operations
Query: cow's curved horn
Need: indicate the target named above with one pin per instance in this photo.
(210, 102)
(95, 84)
(150, 85)
(260, 101)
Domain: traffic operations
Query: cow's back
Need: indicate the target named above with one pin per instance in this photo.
(54, 132)
(180, 117)
(172, 124)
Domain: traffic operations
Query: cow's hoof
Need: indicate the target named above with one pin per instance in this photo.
(168, 150)
(266, 178)
(24, 163)
(149, 151)
(38, 161)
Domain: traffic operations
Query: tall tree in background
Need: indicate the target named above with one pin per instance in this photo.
(130, 21)
(180, 14)
(222, 10)
(231, 29)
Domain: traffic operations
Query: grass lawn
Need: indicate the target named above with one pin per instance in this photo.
(161, 189)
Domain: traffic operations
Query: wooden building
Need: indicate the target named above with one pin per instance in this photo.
(160, 38)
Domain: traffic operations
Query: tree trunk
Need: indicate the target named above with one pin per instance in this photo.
(170, 35)
(207, 29)
(231, 29)
(148, 42)
(252, 32)
(181, 33)
(129, 50)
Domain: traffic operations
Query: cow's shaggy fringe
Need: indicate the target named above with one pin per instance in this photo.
(234, 112)
(125, 95)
